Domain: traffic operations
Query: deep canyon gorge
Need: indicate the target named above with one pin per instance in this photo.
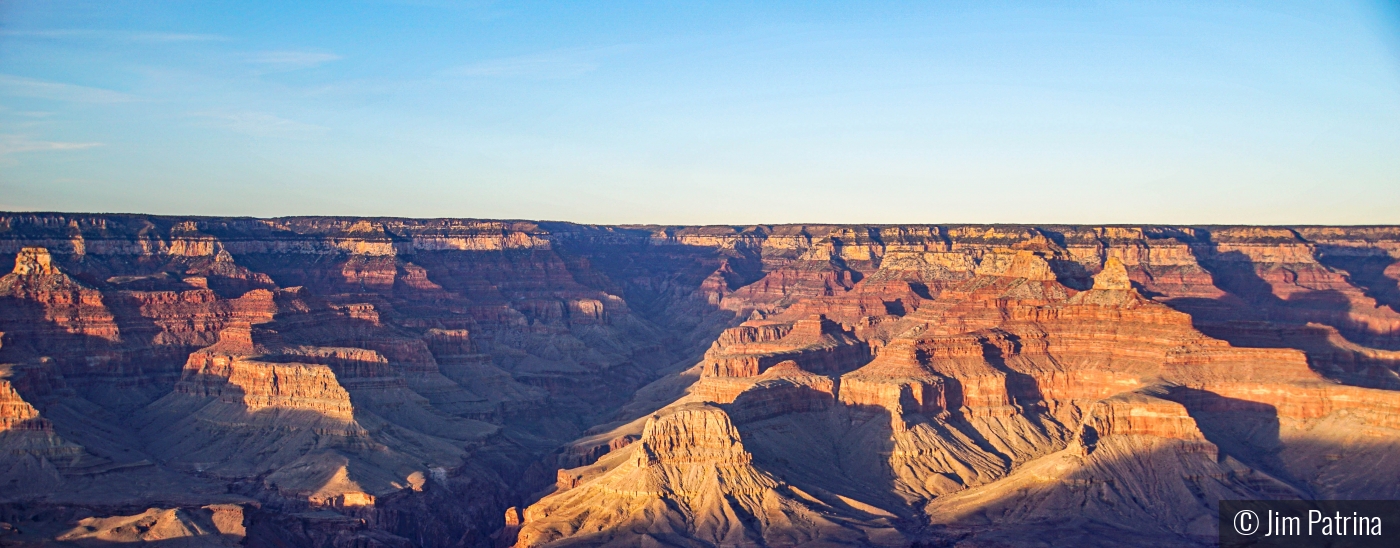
(365, 382)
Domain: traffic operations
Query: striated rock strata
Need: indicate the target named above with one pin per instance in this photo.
(324, 381)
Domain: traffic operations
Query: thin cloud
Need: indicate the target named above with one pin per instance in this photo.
(116, 35)
(25, 113)
(292, 60)
(258, 124)
(19, 86)
(551, 65)
(10, 144)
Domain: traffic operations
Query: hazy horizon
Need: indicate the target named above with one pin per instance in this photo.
(808, 223)
(1193, 113)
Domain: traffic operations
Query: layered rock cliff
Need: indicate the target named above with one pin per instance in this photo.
(366, 382)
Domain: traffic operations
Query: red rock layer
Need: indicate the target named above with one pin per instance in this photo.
(815, 343)
(404, 375)
(1004, 371)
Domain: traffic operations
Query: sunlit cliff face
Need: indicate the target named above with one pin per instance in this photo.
(340, 381)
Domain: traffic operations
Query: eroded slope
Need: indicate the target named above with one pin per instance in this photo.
(402, 382)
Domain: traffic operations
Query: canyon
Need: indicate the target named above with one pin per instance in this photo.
(366, 382)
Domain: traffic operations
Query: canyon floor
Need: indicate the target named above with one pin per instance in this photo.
(367, 382)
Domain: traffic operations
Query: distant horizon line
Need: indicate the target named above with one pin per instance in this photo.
(684, 225)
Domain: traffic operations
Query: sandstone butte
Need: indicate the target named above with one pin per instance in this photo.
(363, 382)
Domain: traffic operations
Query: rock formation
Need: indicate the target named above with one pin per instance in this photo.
(689, 481)
(394, 382)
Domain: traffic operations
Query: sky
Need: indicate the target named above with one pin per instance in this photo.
(1084, 112)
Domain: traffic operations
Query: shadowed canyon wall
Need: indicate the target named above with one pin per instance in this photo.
(322, 381)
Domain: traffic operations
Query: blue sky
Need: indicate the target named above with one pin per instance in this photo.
(1270, 112)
